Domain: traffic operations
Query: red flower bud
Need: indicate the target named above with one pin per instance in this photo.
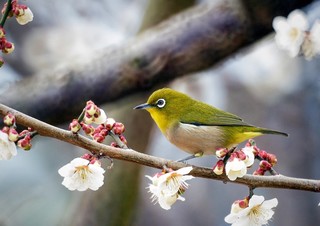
(263, 154)
(75, 126)
(87, 156)
(259, 172)
(272, 159)
(221, 152)
(123, 139)
(88, 129)
(219, 167)
(13, 135)
(9, 119)
(265, 165)
(118, 128)
(241, 155)
(98, 137)
(25, 143)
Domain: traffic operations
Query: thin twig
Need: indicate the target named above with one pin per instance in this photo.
(44, 129)
(6, 13)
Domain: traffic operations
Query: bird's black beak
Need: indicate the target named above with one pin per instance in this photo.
(142, 106)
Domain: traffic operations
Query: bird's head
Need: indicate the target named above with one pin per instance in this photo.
(166, 106)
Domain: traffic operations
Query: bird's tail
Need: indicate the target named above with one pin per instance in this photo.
(269, 131)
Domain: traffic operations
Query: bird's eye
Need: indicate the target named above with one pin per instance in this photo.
(161, 103)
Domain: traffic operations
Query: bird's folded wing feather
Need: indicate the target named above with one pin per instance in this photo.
(210, 116)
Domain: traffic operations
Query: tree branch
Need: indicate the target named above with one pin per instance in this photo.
(191, 41)
(130, 155)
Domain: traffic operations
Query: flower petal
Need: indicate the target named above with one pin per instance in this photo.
(298, 19)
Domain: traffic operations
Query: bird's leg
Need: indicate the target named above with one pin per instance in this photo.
(196, 155)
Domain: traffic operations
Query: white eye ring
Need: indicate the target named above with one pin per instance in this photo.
(161, 103)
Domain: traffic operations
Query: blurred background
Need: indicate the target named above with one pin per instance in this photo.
(259, 83)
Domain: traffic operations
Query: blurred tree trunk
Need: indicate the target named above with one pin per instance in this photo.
(194, 40)
(115, 203)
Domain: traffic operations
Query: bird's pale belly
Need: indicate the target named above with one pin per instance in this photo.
(194, 139)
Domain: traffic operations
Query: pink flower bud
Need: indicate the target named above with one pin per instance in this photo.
(88, 118)
(219, 167)
(265, 165)
(87, 156)
(98, 137)
(222, 152)
(263, 154)
(241, 155)
(8, 47)
(13, 135)
(118, 128)
(239, 205)
(74, 126)
(123, 139)
(25, 143)
(99, 128)
(91, 108)
(259, 172)
(104, 132)
(9, 119)
(232, 157)
(88, 129)
(272, 159)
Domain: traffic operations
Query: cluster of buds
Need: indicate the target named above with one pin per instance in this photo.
(23, 139)
(5, 46)
(23, 15)
(267, 162)
(236, 163)
(106, 126)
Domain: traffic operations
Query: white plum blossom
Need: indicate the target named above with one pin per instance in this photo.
(8, 148)
(249, 152)
(102, 118)
(166, 188)
(257, 213)
(81, 175)
(25, 16)
(311, 44)
(235, 168)
(290, 32)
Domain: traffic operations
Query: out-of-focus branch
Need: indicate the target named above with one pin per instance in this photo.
(191, 41)
(130, 155)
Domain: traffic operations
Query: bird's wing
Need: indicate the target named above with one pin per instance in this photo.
(210, 116)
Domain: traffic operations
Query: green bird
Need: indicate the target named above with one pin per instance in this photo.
(196, 127)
